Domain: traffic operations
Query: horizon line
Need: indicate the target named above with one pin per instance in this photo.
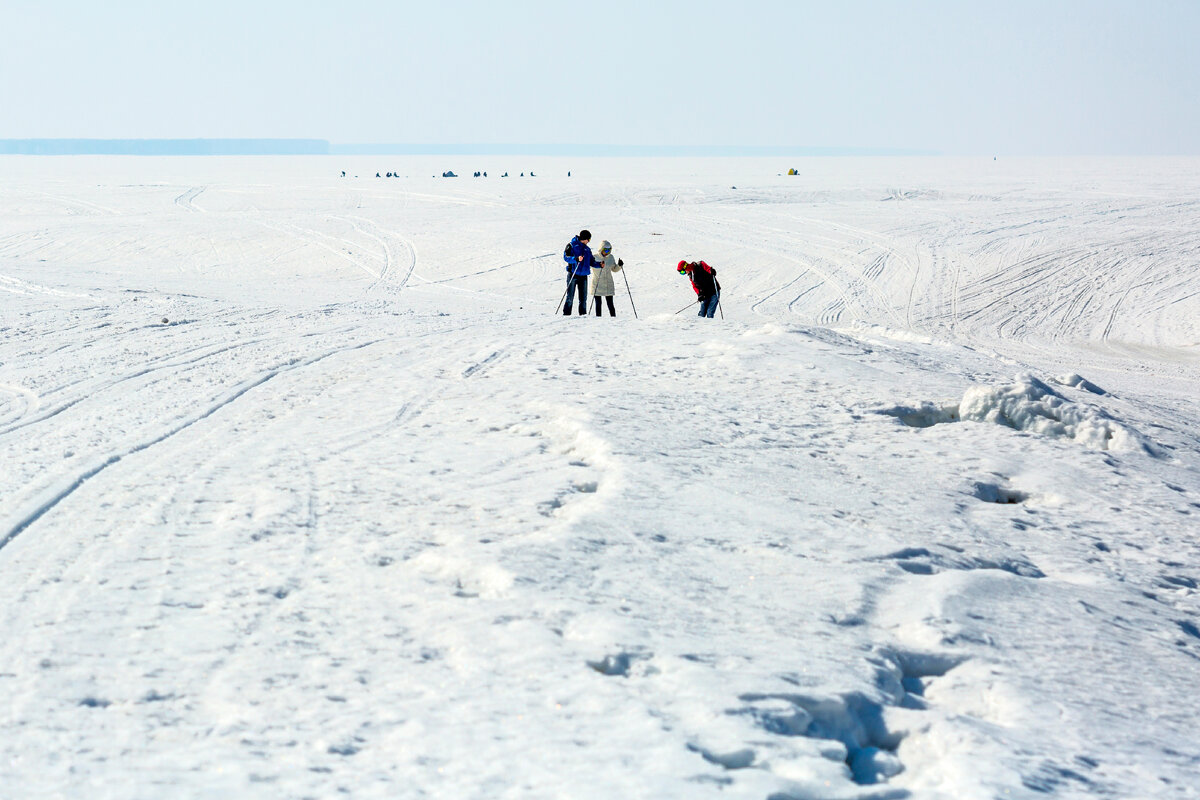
(280, 146)
(199, 146)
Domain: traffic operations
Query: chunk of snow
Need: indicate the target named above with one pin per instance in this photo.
(1076, 381)
(1029, 404)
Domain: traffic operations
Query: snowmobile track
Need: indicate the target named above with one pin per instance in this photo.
(24, 519)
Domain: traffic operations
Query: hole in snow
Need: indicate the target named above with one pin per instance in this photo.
(920, 561)
(739, 759)
(1189, 628)
(993, 493)
(853, 722)
(617, 665)
(926, 415)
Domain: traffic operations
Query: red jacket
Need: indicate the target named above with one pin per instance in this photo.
(704, 279)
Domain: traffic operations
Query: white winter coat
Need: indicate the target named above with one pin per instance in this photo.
(602, 274)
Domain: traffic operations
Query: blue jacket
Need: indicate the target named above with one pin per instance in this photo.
(575, 249)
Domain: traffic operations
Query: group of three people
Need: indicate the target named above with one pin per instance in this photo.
(581, 262)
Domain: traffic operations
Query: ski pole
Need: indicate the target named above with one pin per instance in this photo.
(564, 297)
(689, 305)
(635, 316)
(719, 306)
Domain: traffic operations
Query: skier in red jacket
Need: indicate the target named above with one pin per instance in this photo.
(705, 283)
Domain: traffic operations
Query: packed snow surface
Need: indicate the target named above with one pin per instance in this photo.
(308, 487)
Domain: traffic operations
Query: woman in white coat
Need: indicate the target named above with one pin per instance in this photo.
(602, 282)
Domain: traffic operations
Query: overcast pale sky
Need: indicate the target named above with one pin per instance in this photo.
(1003, 76)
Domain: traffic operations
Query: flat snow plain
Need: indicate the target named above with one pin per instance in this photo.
(306, 489)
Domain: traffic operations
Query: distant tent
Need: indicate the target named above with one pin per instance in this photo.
(792, 172)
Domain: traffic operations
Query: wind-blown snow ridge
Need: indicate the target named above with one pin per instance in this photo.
(1029, 404)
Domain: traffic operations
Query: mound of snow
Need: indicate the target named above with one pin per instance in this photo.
(1076, 381)
(1031, 405)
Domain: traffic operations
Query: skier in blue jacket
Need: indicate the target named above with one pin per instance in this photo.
(579, 266)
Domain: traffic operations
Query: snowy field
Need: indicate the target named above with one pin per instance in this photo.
(306, 490)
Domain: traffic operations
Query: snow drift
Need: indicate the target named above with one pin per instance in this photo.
(1029, 404)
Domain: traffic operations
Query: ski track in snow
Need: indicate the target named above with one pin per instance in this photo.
(284, 515)
(25, 519)
(187, 200)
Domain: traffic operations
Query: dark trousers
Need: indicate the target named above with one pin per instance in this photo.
(576, 282)
(612, 311)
